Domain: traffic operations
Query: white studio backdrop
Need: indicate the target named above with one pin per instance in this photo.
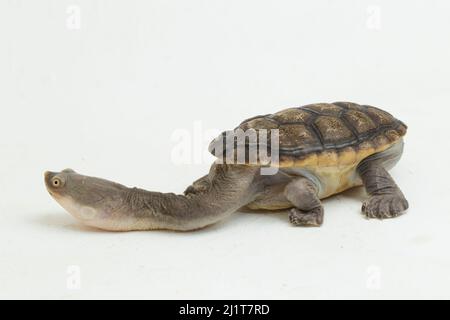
(110, 88)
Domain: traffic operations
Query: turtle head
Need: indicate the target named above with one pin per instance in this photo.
(58, 183)
(88, 199)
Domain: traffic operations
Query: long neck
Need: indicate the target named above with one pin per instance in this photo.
(227, 189)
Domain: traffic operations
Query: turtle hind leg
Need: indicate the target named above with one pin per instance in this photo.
(386, 200)
(308, 211)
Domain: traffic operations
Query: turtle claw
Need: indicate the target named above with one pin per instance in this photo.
(384, 206)
(312, 218)
(200, 186)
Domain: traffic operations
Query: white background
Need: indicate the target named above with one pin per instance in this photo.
(105, 93)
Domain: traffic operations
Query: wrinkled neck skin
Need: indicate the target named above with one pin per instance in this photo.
(110, 206)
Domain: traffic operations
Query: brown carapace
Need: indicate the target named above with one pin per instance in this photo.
(326, 134)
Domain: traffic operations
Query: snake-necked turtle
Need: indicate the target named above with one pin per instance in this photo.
(323, 149)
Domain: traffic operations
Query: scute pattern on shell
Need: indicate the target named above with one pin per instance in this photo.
(328, 127)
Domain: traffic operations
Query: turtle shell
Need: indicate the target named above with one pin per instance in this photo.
(322, 134)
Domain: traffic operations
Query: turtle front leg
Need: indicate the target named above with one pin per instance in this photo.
(386, 199)
(198, 186)
(308, 211)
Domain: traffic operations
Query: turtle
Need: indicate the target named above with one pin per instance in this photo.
(321, 149)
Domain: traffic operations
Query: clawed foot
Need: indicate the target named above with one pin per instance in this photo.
(196, 188)
(312, 218)
(384, 206)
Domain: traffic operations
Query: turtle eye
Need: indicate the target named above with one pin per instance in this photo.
(57, 182)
